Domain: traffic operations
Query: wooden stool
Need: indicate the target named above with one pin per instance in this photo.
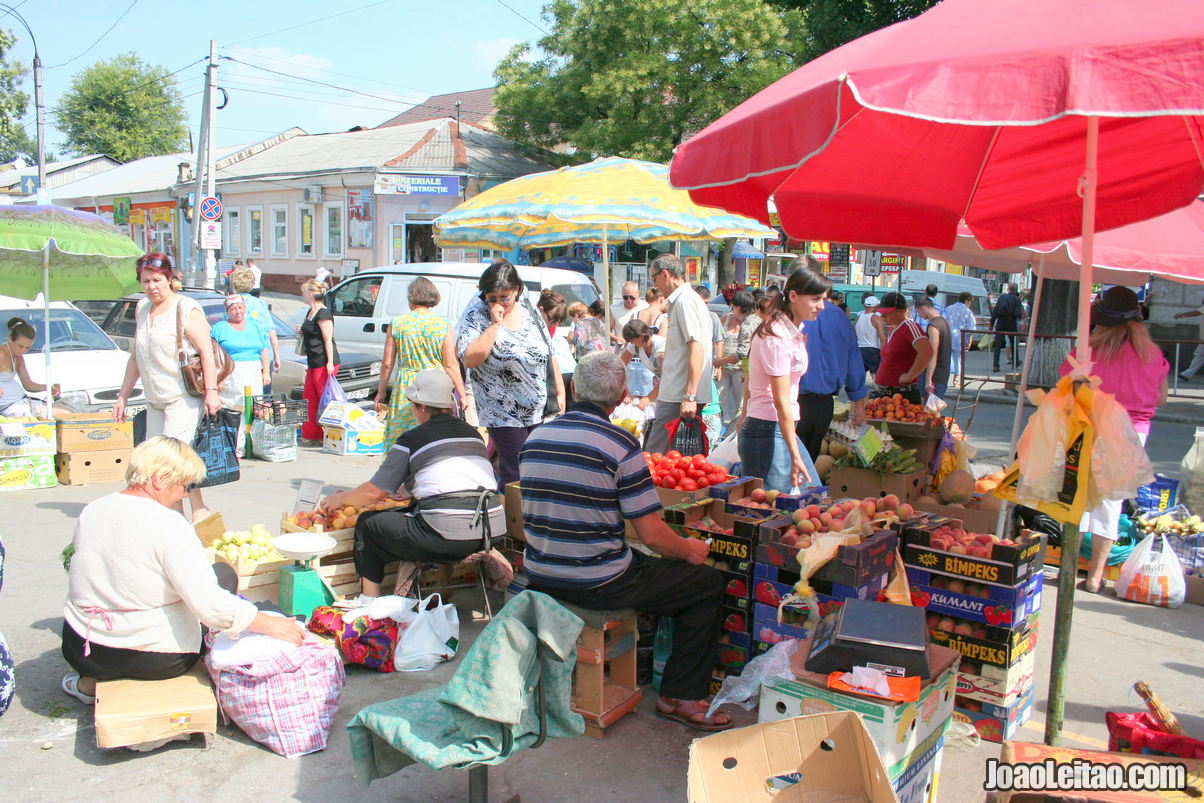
(143, 714)
(607, 641)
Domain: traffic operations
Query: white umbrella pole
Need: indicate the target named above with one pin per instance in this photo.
(606, 280)
(1023, 385)
(1068, 569)
(46, 327)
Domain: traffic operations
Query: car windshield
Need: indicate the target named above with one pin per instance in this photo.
(585, 293)
(70, 329)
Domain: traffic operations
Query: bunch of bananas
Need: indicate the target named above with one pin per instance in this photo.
(948, 463)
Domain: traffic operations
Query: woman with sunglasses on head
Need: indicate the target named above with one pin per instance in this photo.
(160, 319)
(506, 348)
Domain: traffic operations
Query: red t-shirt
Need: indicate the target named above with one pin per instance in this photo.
(899, 353)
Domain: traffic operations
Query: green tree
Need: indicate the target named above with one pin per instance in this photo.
(14, 140)
(634, 78)
(123, 108)
(828, 24)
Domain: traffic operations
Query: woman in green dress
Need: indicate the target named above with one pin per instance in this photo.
(418, 340)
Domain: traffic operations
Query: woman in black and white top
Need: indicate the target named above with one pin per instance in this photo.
(504, 344)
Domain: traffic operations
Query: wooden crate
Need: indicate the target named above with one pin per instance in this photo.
(344, 539)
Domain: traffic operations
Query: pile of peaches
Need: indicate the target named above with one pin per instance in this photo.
(959, 542)
(813, 520)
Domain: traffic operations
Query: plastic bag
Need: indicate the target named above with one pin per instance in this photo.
(1191, 474)
(432, 637)
(332, 392)
(1119, 463)
(216, 442)
(727, 453)
(1152, 578)
(934, 404)
(688, 435)
(1159, 495)
(745, 688)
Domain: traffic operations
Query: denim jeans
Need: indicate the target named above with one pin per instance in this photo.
(763, 454)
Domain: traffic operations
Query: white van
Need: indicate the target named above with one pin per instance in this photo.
(949, 286)
(364, 305)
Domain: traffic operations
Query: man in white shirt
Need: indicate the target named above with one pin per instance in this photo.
(256, 288)
(871, 334)
(623, 311)
(685, 386)
(961, 319)
(323, 275)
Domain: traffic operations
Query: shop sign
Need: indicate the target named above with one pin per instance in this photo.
(820, 251)
(839, 274)
(211, 235)
(417, 185)
(839, 255)
(956, 270)
(892, 263)
(121, 211)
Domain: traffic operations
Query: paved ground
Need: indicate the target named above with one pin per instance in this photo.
(48, 750)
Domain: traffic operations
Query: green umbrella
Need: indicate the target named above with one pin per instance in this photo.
(65, 255)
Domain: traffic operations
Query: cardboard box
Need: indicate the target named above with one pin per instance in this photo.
(735, 649)
(854, 565)
(513, 504)
(815, 495)
(860, 483)
(1195, 589)
(1001, 647)
(1008, 565)
(27, 438)
(898, 729)
(21, 473)
(87, 468)
(93, 432)
(999, 686)
(1003, 606)
(995, 723)
(1029, 753)
(132, 712)
(337, 440)
(974, 519)
(348, 415)
(825, 758)
(917, 782)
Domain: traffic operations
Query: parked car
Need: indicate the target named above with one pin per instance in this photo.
(359, 372)
(84, 361)
(364, 305)
(949, 286)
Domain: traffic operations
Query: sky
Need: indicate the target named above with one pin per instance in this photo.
(391, 54)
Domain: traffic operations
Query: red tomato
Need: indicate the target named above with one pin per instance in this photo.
(688, 485)
(684, 463)
(699, 460)
(669, 482)
(673, 476)
(704, 481)
(673, 454)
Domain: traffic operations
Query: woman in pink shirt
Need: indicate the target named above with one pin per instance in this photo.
(777, 360)
(1132, 369)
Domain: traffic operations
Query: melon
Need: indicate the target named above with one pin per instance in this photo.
(927, 500)
(824, 465)
(958, 486)
(837, 449)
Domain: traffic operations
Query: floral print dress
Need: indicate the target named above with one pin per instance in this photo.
(418, 338)
(511, 385)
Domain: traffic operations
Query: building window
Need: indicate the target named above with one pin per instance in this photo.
(254, 231)
(334, 230)
(279, 231)
(305, 231)
(232, 233)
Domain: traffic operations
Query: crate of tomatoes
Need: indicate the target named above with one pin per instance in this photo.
(679, 478)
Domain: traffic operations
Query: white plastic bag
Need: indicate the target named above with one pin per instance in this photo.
(727, 453)
(432, 637)
(1153, 578)
(745, 688)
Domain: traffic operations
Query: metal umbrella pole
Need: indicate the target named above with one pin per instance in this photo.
(46, 326)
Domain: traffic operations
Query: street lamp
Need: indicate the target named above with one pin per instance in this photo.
(43, 194)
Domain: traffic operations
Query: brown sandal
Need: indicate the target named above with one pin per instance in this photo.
(696, 719)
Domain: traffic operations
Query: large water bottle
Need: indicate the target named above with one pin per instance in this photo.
(662, 645)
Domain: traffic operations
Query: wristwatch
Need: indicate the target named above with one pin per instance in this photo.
(691, 398)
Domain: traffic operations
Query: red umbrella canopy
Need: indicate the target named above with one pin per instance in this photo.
(974, 110)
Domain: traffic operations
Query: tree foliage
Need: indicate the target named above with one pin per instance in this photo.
(635, 77)
(828, 24)
(14, 140)
(123, 108)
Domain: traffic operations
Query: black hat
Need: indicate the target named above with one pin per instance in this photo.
(1117, 306)
(892, 302)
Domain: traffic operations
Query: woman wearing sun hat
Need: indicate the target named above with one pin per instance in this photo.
(1132, 369)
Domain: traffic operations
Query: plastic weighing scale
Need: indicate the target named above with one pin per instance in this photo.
(301, 587)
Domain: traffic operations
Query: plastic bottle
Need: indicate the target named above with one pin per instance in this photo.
(662, 645)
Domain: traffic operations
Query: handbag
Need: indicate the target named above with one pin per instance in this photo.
(216, 442)
(190, 365)
(432, 637)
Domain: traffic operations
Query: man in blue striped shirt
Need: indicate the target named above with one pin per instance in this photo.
(580, 478)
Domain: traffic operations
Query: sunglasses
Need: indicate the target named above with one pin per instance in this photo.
(630, 298)
(151, 263)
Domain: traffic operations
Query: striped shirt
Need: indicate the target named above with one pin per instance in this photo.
(442, 456)
(580, 477)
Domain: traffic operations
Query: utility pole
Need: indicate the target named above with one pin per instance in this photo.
(39, 103)
(205, 262)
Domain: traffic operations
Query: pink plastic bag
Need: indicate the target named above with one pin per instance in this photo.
(285, 703)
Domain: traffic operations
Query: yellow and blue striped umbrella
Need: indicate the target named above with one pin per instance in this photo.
(607, 200)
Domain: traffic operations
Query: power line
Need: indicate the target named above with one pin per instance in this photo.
(128, 9)
(310, 22)
(424, 92)
(520, 16)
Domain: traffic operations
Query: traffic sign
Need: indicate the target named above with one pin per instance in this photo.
(871, 263)
(211, 208)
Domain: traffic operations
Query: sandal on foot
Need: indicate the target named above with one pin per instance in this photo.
(70, 685)
(697, 718)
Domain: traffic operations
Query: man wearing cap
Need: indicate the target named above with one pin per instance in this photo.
(870, 334)
(443, 466)
(906, 353)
